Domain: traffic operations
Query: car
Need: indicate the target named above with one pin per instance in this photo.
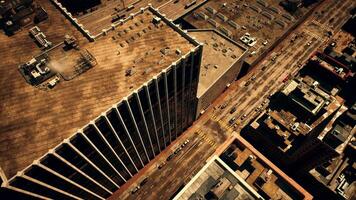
(135, 189)
(223, 106)
(232, 120)
(247, 83)
(186, 141)
(178, 150)
(243, 117)
(263, 68)
(309, 43)
(273, 58)
(143, 182)
(265, 101)
(160, 166)
(170, 157)
(253, 77)
(232, 110)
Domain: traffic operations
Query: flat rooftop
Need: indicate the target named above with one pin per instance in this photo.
(284, 120)
(178, 8)
(260, 173)
(264, 20)
(209, 177)
(101, 16)
(34, 120)
(336, 174)
(343, 39)
(306, 94)
(219, 55)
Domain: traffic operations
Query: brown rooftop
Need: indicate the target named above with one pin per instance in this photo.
(219, 55)
(263, 165)
(266, 22)
(175, 9)
(33, 120)
(102, 16)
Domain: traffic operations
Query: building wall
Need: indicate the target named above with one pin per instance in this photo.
(219, 85)
(264, 144)
(311, 154)
(307, 156)
(107, 152)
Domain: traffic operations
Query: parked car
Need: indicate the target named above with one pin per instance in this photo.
(135, 189)
(144, 181)
(178, 150)
(186, 141)
(223, 106)
(232, 110)
(160, 166)
(170, 157)
(232, 120)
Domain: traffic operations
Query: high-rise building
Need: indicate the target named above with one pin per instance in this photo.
(151, 84)
(221, 65)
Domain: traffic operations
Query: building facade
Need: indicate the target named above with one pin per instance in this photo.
(102, 156)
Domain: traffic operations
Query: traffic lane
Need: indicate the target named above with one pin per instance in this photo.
(166, 185)
(261, 81)
(305, 55)
(190, 159)
(253, 104)
(157, 176)
(247, 90)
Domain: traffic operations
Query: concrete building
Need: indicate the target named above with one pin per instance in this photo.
(292, 130)
(259, 172)
(239, 171)
(221, 64)
(259, 25)
(216, 180)
(90, 135)
(337, 174)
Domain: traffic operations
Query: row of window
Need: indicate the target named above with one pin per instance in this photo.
(96, 162)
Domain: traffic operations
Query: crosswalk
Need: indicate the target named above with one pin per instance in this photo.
(222, 123)
(206, 138)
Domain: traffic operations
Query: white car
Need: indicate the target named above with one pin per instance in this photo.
(133, 191)
(186, 142)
